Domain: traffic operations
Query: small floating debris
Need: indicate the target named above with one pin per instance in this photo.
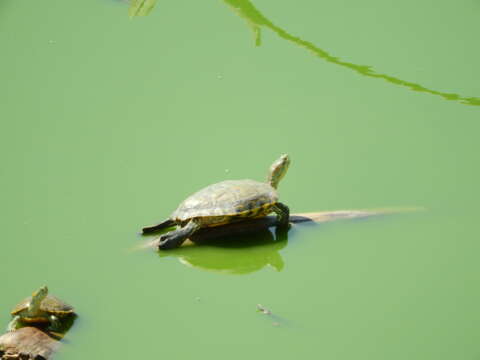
(263, 309)
(275, 319)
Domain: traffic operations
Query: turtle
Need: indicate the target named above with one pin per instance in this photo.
(225, 202)
(40, 308)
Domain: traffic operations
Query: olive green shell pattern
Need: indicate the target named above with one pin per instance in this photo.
(224, 201)
(50, 305)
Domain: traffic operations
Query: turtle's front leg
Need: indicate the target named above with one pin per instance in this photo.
(176, 238)
(283, 214)
(12, 325)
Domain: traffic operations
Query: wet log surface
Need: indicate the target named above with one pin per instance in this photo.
(251, 226)
(27, 343)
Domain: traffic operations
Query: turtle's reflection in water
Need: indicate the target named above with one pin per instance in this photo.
(236, 254)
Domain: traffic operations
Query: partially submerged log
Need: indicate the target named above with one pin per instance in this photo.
(27, 343)
(256, 225)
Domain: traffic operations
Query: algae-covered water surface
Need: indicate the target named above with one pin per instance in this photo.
(109, 122)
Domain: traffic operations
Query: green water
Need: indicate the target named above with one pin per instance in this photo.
(107, 123)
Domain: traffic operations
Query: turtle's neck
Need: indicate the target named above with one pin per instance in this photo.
(36, 301)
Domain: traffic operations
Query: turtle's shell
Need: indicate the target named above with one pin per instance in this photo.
(227, 200)
(50, 305)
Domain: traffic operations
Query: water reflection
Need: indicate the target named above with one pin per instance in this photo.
(235, 255)
(140, 7)
(256, 20)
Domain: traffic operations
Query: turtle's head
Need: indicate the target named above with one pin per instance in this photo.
(278, 170)
(37, 297)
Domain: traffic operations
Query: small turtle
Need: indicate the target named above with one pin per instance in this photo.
(225, 202)
(40, 308)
